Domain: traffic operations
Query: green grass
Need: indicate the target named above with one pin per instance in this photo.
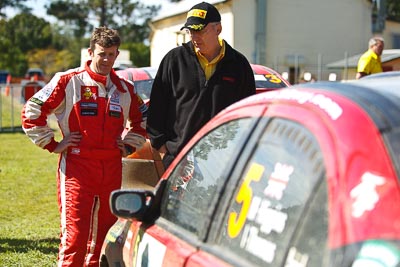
(10, 113)
(29, 220)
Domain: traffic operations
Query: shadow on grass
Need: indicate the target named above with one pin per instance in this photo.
(11, 129)
(45, 246)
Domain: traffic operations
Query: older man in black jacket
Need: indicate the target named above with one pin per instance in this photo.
(194, 82)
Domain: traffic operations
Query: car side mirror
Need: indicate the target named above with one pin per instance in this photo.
(131, 203)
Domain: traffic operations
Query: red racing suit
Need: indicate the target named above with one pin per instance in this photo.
(99, 107)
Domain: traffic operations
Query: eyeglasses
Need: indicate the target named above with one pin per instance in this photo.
(202, 32)
(198, 33)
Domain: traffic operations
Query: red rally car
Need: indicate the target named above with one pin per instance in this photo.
(267, 79)
(302, 176)
(142, 77)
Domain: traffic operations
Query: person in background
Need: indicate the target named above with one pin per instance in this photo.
(194, 82)
(370, 61)
(92, 106)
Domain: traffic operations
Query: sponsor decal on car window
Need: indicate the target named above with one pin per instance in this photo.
(256, 245)
(272, 78)
(260, 211)
(278, 181)
(365, 195)
(256, 208)
(296, 259)
(244, 197)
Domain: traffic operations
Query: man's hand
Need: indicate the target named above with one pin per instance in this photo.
(70, 140)
(122, 147)
(162, 151)
(134, 140)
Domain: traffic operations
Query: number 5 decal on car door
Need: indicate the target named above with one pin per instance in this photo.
(236, 221)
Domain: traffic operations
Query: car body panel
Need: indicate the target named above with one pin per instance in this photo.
(201, 258)
(359, 163)
(161, 246)
(355, 125)
(382, 75)
(35, 74)
(142, 78)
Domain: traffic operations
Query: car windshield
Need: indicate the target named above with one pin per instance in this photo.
(143, 88)
(268, 81)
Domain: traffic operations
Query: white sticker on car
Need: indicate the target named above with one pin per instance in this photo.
(151, 252)
(256, 245)
(378, 253)
(296, 259)
(267, 217)
(365, 195)
(259, 77)
(278, 180)
(323, 102)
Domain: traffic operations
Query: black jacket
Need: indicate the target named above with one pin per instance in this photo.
(182, 101)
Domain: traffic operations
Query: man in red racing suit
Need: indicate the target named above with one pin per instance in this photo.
(92, 106)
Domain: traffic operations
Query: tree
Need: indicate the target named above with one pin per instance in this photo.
(129, 17)
(29, 32)
(14, 4)
(393, 10)
(11, 57)
(21, 34)
(74, 15)
(140, 53)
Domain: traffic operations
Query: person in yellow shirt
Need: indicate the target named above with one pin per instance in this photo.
(370, 61)
(194, 82)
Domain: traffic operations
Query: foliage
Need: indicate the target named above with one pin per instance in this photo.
(51, 60)
(11, 57)
(74, 15)
(28, 41)
(12, 3)
(393, 10)
(21, 34)
(128, 17)
(29, 32)
(140, 53)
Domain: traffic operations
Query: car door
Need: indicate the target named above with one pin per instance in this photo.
(192, 193)
(281, 192)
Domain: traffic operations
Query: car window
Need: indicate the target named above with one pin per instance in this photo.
(143, 88)
(309, 245)
(392, 140)
(275, 198)
(195, 184)
(268, 81)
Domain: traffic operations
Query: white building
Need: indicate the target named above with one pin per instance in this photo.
(288, 35)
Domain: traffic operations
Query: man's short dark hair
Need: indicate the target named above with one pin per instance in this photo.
(105, 37)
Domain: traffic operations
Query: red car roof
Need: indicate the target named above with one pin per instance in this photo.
(267, 79)
(135, 74)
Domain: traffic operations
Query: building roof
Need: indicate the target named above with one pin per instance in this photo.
(173, 9)
(351, 62)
